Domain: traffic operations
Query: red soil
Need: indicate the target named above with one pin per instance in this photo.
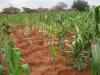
(1, 57)
(36, 52)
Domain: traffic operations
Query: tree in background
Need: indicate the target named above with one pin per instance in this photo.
(80, 5)
(27, 10)
(41, 9)
(11, 10)
(60, 6)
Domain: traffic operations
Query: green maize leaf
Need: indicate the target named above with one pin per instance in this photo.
(26, 69)
(97, 19)
(96, 58)
(53, 52)
(97, 14)
(1, 68)
(18, 71)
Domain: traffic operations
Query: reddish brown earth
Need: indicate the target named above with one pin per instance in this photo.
(1, 57)
(36, 52)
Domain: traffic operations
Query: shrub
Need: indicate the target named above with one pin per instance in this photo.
(80, 5)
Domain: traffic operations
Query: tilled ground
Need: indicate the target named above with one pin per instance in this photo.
(36, 52)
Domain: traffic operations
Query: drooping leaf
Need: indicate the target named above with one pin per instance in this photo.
(26, 69)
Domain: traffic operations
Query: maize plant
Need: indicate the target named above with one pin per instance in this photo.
(81, 43)
(62, 31)
(96, 44)
(11, 54)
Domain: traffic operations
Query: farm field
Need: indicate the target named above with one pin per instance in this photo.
(49, 43)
